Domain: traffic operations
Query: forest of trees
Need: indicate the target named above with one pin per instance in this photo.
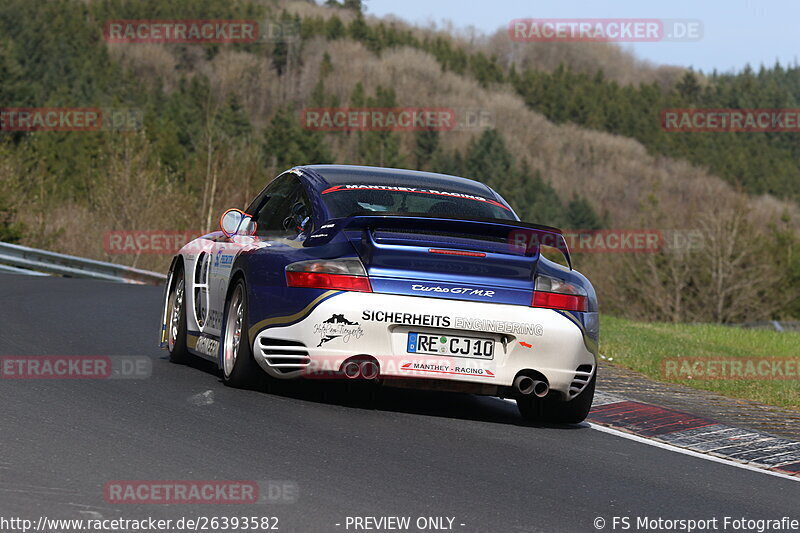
(54, 75)
(206, 145)
(760, 163)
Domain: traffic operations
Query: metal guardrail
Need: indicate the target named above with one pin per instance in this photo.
(14, 270)
(770, 324)
(21, 259)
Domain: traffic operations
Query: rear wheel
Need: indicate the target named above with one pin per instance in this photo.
(558, 411)
(239, 369)
(176, 321)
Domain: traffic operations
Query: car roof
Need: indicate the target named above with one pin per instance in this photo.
(363, 175)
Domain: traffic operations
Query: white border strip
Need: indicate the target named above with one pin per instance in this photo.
(684, 451)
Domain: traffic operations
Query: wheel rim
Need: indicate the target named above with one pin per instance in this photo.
(175, 314)
(233, 331)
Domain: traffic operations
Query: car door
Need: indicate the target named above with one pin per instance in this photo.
(282, 214)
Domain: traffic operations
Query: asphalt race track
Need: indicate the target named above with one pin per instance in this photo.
(405, 454)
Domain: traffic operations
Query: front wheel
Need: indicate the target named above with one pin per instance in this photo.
(558, 411)
(239, 369)
(176, 321)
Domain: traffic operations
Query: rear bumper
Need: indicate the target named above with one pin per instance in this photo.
(378, 325)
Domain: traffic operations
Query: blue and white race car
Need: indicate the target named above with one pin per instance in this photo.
(397, 277)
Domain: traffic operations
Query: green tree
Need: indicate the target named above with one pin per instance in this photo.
(334, 28)
(232, 119)
(379, 148)
(355, 5)
(488, 160)
(358, 98)
(10, 231)
(688, 87)
(11, 76)
(580, 215)
(287, 144)
(426, 144)
(444, 162)
(535, 200)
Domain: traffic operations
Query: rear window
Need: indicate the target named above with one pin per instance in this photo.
(347, 200)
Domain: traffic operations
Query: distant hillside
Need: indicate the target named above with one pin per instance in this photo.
(601, 87)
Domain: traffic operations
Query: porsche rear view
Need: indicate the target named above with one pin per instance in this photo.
(391, 277)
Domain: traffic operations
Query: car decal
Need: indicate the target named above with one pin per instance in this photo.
(446, 369)
(291, 319)
(591, 344)
(415, 190)
(572, 318)
(337, 327)
(202, 344)
(191, 340)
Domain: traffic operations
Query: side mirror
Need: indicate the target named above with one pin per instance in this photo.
(236, 222)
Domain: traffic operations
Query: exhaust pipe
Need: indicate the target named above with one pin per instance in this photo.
(540, 389)
(527, 385)
(369, 369)
(524, 385)
(351, 369)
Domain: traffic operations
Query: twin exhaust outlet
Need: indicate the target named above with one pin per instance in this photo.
(527, 385)
(361, 369)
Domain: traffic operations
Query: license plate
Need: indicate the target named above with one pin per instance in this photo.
(451, 345)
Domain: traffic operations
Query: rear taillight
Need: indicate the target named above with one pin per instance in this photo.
(553, 293)
(554, 300)
(338, 274)
(314, 280)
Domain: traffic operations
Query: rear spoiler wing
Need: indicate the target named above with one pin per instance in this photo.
(521, 236)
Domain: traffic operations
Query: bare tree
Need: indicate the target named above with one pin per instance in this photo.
(734, 279)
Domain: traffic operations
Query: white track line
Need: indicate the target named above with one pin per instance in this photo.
(684, 451)
(690, 453)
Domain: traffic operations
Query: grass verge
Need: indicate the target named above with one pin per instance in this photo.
(687, 353)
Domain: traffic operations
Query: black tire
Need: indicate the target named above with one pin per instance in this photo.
(176, 320)
(558, 411)
(242, 372)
